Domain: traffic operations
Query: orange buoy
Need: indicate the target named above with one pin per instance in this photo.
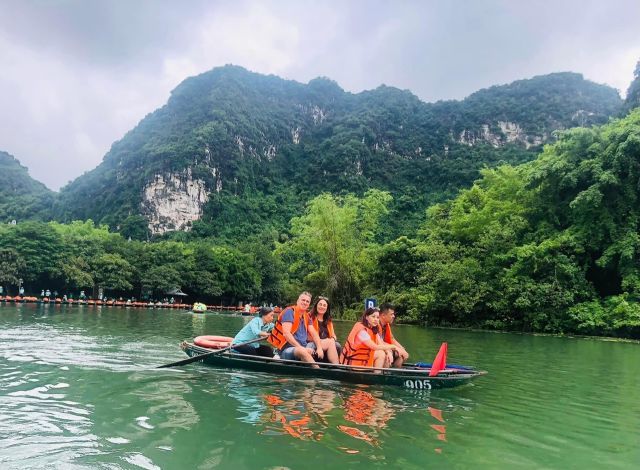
(213, 342)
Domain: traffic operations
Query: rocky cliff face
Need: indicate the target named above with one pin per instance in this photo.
(506, 133)
(173, 202)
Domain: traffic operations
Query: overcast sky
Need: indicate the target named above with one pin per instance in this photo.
(75, 76)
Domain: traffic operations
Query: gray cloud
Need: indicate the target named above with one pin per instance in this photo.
(77, 75)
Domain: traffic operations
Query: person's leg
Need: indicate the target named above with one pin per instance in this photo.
(303, 354)
(329, 347)
(388, 359)
(246, 349)
(399, 358)
(264, 351)
(288, 353)
(378, 360)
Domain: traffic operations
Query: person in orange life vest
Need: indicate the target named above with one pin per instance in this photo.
(292, 328)
(398, 356)
(363, 346)
(320, 318)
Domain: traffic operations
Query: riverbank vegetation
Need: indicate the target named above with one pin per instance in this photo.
(551, 245)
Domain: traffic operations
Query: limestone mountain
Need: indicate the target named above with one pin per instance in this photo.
(22, 197)
(234, 151)
(633, 92)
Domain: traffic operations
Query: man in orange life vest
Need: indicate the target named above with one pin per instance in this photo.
(396, 357)
(290, 332)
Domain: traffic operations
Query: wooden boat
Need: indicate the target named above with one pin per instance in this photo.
(199, 307)
(410, 376)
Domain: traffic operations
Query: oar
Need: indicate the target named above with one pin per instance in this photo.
(199, 357)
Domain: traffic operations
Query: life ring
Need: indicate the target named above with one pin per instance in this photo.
(213, 342)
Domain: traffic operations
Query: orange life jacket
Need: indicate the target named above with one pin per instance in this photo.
(276, 338)
(387, 336)
(316, 325)
(360, 355)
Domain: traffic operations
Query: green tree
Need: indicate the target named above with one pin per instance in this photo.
(331, 245)
(77, 273)
(159, 279)
(111, 272)
(134, 227)
(12, 267)
(39, 246)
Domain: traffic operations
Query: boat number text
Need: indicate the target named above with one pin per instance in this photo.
(420, 384)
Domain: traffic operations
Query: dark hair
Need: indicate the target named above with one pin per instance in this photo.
(314, 310)
(264, 311)
(364, 320)
(385, 307)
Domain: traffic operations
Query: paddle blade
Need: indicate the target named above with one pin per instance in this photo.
(440, 362)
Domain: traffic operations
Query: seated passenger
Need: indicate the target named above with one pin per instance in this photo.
(289, 335)
(258, 327)
(320, 318)
(397, 357)
(363, 346)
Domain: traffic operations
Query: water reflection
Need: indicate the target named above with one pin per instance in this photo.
(78, 389)
(318, 410)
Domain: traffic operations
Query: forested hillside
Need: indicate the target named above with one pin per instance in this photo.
(551, 245)
(22, 197)
(233, 152)
(325, 196)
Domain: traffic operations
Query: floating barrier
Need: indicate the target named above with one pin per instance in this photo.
(113, 303)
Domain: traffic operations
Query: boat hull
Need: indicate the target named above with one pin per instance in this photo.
(410, 378)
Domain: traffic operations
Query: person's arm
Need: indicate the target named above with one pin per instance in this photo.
(372, 344)
(256, 328)
(384, 347)
(286, 332)
(400, 348)
(316, 339)
(335, 338)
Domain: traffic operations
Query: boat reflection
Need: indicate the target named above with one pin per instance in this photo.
(314, 410)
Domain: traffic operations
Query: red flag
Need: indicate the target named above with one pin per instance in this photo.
(440, 362)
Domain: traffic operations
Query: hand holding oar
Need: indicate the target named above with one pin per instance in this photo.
(199, 357)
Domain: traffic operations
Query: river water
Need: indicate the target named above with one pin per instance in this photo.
(78, 389)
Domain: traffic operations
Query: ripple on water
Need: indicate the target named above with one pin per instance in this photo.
(49, 345)
(39, 428)
(78, 390)
(141, 461)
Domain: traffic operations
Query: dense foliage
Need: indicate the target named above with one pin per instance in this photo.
(264, 147)
(333, 247)
(550, 245)
(22, 197)
(80, 256)
(541, 242)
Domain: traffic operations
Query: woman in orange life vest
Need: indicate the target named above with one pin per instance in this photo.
(363, 346)
(292, 328)
(320, 318)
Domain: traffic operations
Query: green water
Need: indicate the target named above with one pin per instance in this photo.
(78, 389)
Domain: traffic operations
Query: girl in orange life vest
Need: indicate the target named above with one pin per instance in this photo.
(289, 335)
(363, 347)
(320, 318)
(397, 357)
